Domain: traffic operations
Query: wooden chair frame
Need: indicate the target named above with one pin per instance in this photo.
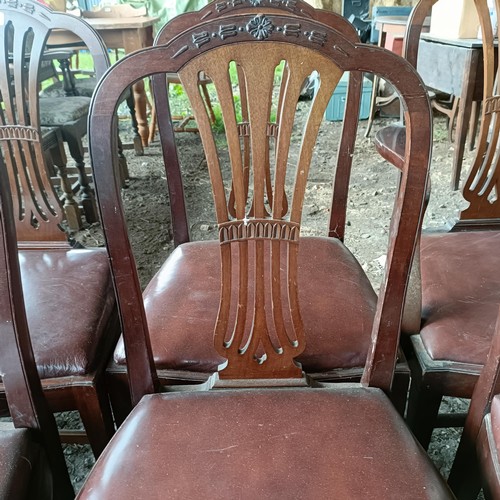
(180, 224)
(20, 378)
(273, 36)
(125, 74)
(38, 223)
(433, 379)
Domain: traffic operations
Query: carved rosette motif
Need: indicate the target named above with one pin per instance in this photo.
(260, 27)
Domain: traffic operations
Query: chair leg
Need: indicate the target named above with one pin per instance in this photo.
(138, 147)
(423, 406)
(119, 395)
(473, 125)
(86, 195)
(465, 475)
(70, 206)
(399, 391)
(95, 411)
(124, 173)
(373, 106)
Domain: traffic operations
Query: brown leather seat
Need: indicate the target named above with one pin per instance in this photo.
(21, 466)
(79, 332)
(476, 462)
(337, 306)
(460, 298)
(459, 302)
(261, 446)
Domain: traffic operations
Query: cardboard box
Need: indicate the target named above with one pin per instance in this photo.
(454, 19)
(336, 107)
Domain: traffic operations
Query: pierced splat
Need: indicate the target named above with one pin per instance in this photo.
(38, 211)
(259, 327)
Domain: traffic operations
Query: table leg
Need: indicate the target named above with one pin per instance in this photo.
(376, 81)
(464, 112)
(132, 42)
(141, 111)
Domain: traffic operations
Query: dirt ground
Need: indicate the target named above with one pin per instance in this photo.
(373, 186)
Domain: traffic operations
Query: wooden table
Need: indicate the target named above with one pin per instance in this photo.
(128, 33)
(454, 67)
(393, 25)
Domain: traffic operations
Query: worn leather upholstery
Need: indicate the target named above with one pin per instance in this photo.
(19, 464)
(488, 449)
(182, 302)
(267, 443)
(460, 294)
(67, 323)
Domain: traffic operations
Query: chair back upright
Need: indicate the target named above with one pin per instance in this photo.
(258, 337)
(27, 405)
(24, 32)
(482, 185)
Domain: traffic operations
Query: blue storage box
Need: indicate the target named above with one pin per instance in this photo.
(335, 109)
(380, 11)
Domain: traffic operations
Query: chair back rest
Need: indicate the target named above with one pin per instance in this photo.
(24, 31)
(27, 404)
(481, 187)
(301, 9)
(260, 341)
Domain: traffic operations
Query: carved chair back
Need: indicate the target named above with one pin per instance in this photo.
(301, 9)
(481, 188)
(25, 398)
(24, 30)
(259, 342)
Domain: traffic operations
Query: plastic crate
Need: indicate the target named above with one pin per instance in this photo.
(335, 109)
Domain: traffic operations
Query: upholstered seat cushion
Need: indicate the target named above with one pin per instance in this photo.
(19, 457)
(337, 304)
(69, 300)
(347, 443)
(460, 294)
(61, 110)
(84, 86)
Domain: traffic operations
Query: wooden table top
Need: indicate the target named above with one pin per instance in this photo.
(397, 20)
(113, 23)
(469, 43)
